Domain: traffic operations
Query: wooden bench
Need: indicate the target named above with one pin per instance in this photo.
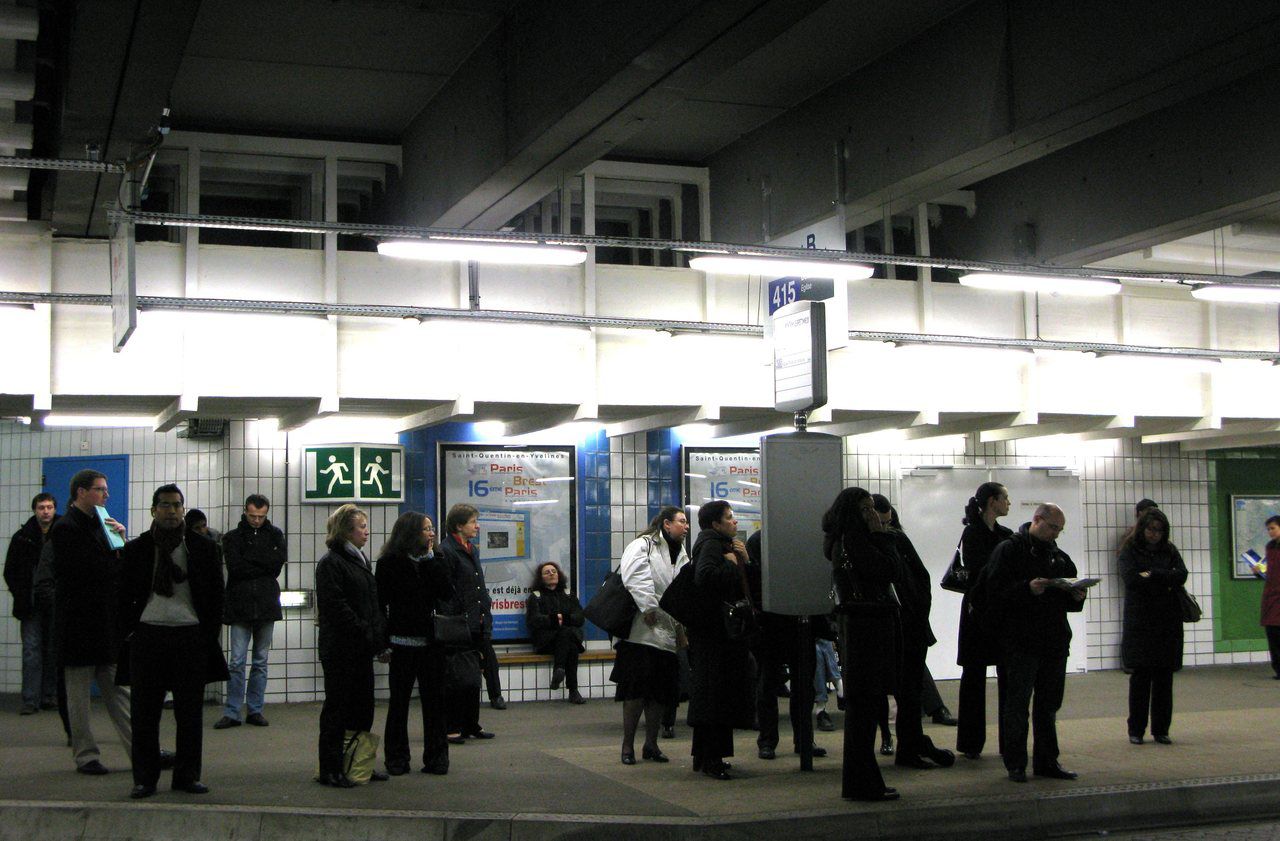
(522, 658)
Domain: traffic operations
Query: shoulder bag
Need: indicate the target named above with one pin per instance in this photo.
(739, 617)
(956, 578)
(451, 630)
(850, 592)
(1190, 607)
(612, 608)
(680, 599)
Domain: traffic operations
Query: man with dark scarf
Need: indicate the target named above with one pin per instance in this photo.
(171, 617)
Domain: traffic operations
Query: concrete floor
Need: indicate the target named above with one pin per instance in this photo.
(554, 771)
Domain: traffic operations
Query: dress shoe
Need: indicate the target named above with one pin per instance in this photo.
(824, 722)
(225, 722)
(767, 753)
(575, 697)
(28, 709)
(167, 760)
(902, 760)
(140, 791)
(972, 754)
(197, 787)
(628, 757)
(886, 747)
(1164, 740)
(877, 796)
(816, 752)
(943, 757)
(653, 754)
(459, 739)
(93, 768)
(379, 777)
(668, 732)
(1018, 775)
(398, 770)
(1056, 772)
(557, 677)
(257, 720)
(480, 734)
(498, 703)
(1135, 740)
(336, 781)
(943, 716)
(437, 768)
(717, 770)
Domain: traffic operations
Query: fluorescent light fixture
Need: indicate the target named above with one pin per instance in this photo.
(482, 252)
(778, 267)
(1241, 294)
(535, 502)
(1139, 362)
(100, 420)
(295, 599)
(1089, 287)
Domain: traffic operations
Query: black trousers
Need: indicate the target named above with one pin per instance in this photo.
(971, 712)
(348, 705)
(1273, 645)
(860, 775)
(166, 659)
(564, 655)
(910, 729)
(930, 698)
(712, 742)
(774, 656)
(424, 666)
(1027, 676)
(462, 691)
(492, 677)
(1150, 688)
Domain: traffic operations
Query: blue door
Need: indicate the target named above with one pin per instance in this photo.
(58, 473)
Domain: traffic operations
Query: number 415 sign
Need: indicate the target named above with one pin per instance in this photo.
(788, 290)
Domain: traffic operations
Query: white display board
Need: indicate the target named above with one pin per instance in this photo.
(930, 503)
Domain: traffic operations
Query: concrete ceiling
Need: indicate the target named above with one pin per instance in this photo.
(1086, 131)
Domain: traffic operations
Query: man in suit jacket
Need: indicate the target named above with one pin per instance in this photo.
(84, 615)
(171, 618)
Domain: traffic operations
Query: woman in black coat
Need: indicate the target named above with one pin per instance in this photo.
(977, 649)
(412, 579)
(1152, 570)
(554, 619)
(351, 634)
(720, 668)
(870, 634)
(915, 749)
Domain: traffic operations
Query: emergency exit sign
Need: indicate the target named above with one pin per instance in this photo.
(353, 473)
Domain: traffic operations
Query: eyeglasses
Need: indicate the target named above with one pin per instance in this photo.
(176, 506)
(97, 489)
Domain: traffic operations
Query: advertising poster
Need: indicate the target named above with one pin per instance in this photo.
(730, 473)
(1249, 531)
(525, 496)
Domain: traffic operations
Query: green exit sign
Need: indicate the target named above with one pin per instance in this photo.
(353, 473)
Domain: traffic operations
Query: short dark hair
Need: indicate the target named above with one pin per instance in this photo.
(257, 501)
(194, 516)
(712, 512)
(1143, 505)
(458, 516)
(83, 480)
(170, 488)
(1274, 519)
(43, 497)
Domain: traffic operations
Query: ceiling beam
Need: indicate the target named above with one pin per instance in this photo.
(866, 426)
(177, 412)
(552, 419)
(765, 423)
(1262, 439)
(964, 427)
(1063, 427)
(662, 420)
(318, 407)
(461, 409)
(1233, 430)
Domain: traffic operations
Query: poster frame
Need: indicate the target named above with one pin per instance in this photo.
(1239, 571)
(691, 509)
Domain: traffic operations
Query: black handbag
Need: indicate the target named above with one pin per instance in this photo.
(612, 608)
(462, 670)
(1190, 607)
(451, 630)
(851, 593)
(956, 578)
(739, 620)
(682, 601)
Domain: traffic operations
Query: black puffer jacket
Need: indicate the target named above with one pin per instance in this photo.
(409, 591)
(351, 622)
(20, 567)
(254, 558)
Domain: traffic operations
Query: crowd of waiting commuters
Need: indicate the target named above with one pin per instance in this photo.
(147, 614)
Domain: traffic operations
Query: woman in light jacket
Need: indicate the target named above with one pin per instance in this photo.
(646, 669)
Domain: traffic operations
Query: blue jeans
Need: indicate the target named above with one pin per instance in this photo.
(39, 667)
(236, 697)
(828, 668)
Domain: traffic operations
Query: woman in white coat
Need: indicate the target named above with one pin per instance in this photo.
(646, 669)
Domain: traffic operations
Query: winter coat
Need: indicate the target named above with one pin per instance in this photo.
(20, 567)
(470, 594)
(975, 646)
(1022, 621)
(410, 591)
(870, 636)
(720, 668)
(914, 591)
(647, 571)
(137, 569)
(1152, 610)
(86, 569)
(1271, 590)
(540, 617)
(351, 622)
(254, 558)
